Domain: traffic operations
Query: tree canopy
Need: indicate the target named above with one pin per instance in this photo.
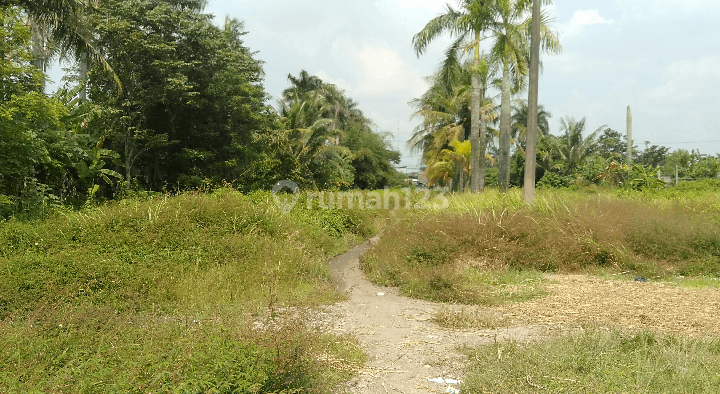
(174, 102)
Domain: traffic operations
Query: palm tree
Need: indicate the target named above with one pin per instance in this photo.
(65, 27)
(303, 84)
(511, 50)
(311, 137)
(519, 122)
(338, 107)
(533, 110)
(571, 146)
(444, 118)
(467, 25)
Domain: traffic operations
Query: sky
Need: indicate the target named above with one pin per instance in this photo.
(660, 57)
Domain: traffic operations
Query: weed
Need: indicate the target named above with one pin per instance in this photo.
(435, 255)
(467, 319)
(599, 362)
(157, 294)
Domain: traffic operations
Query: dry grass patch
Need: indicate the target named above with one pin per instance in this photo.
(466, 318)
(578, 299)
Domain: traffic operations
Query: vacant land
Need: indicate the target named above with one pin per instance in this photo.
(221, 291)
(624, 288)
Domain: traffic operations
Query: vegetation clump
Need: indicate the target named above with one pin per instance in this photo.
(441, 255)
(161, 294)
(597, 361)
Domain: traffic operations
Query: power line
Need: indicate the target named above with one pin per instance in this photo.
(694, 142)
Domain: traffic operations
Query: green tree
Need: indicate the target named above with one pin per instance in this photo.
(572, 146)
(372, 158)
(691, 165)
(611, 145)
(532, 124)
(317, 160)
(45, 156)
(445, 112)
(331, 144)
(510, 31)
(653, 156)
(192, 102)
(520, 120)
(467, 26)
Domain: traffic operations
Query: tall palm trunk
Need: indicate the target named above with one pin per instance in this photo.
(504, 165)
(483, 143)
(84, 67)
(477, 174)
(40, 49)
(532, 133)
(461, 177)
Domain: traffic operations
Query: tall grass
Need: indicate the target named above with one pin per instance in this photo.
(436, 254)
(159, 294)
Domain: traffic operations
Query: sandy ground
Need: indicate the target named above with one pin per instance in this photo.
(406, 348)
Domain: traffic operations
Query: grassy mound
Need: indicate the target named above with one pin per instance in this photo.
(160, 295)
(488, 248)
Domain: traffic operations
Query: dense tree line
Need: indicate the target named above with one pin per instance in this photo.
(160, 98)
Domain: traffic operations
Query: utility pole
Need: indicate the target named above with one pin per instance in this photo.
(629, 140)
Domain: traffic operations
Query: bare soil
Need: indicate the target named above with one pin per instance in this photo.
(406, 348)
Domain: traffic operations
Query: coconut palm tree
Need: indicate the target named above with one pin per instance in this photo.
(64, 27)
(531, 137)
(467, 26)
(311, 136)
(511, 50)
(444, 120)
(572, 146)
(519, 120)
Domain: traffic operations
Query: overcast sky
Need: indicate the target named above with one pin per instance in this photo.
(661, 57)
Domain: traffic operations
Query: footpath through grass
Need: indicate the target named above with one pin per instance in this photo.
(490, 249)
(160, 295)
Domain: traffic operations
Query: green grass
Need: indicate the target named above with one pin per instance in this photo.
(597, 362)
(159, 295)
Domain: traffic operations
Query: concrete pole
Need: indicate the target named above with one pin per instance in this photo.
(629, 139)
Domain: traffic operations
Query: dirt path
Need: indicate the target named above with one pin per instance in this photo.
(405, 347)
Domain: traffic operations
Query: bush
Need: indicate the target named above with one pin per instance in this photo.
(552, 180)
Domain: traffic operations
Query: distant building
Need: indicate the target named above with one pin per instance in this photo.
(422, 177)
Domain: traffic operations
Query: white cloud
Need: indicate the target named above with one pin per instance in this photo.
(589, 17)
(431, 5)
(653, 8)
(585, 18)
(687, 79)
(339, 82)
(383, 72)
